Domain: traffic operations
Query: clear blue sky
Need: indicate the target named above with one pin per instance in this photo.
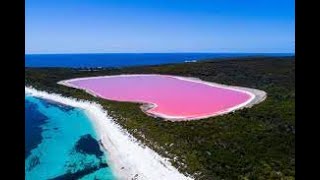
(92, 26)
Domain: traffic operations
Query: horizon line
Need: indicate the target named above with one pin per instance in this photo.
(72, 53)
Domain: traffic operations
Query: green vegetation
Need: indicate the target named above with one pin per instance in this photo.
(255, 143)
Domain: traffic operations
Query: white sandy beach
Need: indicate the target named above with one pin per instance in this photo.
(256, 96)
(127, 158)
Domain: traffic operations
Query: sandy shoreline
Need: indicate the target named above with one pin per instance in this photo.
(256, 96)
(127, 158)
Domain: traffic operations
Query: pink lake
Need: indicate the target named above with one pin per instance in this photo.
(170, 97)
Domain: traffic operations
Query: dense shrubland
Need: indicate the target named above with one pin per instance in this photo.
(255, 143)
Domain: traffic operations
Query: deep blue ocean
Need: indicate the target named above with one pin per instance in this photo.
(61, 144)
(127, 59)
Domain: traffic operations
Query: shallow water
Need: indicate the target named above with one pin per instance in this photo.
(61, 143)
(171, 96)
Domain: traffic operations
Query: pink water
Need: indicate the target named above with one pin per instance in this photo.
(174, 98)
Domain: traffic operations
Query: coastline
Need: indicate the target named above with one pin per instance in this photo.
(256, 96)
(217, 142)
(128, 158)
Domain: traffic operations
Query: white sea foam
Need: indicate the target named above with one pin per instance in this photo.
(127, 158)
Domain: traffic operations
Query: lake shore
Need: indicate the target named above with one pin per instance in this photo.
(256, 96)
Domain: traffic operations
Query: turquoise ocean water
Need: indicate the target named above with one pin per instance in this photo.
(61, 143)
